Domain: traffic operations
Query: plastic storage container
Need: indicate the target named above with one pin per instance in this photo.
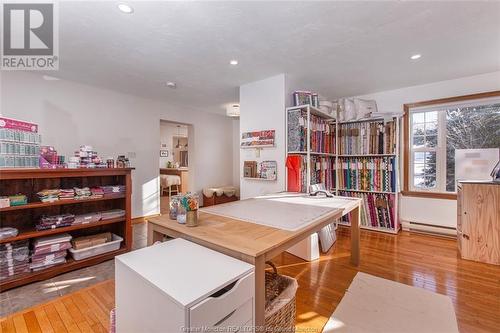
(98, 249)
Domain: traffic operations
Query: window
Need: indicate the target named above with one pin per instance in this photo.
(435, 131)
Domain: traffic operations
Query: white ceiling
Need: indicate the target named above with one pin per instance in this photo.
(336, 48)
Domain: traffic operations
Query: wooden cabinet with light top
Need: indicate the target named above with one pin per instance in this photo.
(478, 221)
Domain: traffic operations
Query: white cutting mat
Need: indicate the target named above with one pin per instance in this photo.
(288, 212)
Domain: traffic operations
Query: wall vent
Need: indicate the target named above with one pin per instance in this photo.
(423, 228)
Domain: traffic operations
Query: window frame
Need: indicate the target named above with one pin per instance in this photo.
(408, 188)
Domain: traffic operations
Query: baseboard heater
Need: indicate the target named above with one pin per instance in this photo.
(430, 229)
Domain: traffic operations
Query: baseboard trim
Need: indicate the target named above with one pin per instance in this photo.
(137, 220)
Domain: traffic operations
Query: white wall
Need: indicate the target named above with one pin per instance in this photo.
(167, 132)
(236, 152)
(432, 211)
(262, 107)
(71, 114)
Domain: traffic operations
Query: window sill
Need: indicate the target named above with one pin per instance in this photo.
(430, 195)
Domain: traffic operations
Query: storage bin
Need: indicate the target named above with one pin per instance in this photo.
(280, 301)
(98, 249)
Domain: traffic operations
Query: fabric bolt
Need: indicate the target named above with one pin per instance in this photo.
(87, 218)
(55, 221)
(371, 137)
(112, 214)
(377, 209)
(66, 194)
(111, 190)
(50, 248)
(54, 239)
(14, 258)
(293, 165)
(82, 193)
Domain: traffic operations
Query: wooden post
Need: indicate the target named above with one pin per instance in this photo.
(153, 235)
(260, 293)
(355, 252)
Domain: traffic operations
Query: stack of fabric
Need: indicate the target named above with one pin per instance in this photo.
(55, 221)
(14, 259)
(112, 214)
(49, 251)
(87, 218)
(113, 190)
(97, 192)
(82, 193)
(48, 195)
(66, 194)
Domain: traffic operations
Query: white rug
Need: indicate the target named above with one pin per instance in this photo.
(373, 304)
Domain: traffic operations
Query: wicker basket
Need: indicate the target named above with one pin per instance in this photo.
(280, 301)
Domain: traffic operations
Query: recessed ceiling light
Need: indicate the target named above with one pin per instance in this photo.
(171, 84)
(415, 56)
(233, 62)
(125, 8)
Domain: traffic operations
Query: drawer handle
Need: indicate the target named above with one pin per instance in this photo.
(225, 318)
(224, 290)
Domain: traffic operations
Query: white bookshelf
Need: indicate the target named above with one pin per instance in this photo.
(315, 111)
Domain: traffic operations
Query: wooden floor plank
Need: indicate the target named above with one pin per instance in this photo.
(7, 325)
(422, 261)
(98, 310)
(85, 310)
(43, 320)
(19, 323)
(66, 318)
(54, 318)
(77, 315)
(31, 322)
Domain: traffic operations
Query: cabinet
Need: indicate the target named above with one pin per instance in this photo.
(24, 217)
(478, 221)
(179, 286)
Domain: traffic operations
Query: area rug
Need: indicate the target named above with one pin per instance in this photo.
(373, 304)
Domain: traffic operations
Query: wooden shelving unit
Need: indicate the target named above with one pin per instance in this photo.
(50, 272)
(34, 205)
(24, 218)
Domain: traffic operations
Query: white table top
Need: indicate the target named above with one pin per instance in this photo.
(287, 211)
(184, 271)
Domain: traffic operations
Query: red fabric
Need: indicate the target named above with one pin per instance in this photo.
(293, 163)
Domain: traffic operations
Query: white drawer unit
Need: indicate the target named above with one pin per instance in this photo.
(179, 286)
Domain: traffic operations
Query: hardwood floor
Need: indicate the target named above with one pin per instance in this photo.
(422, 261)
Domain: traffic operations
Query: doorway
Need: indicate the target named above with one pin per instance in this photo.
(173, 162)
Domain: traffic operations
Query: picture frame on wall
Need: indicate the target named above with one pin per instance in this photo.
(163, 153)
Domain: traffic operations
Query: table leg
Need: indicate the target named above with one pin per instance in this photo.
(260, 294)
(355, 252)
(153, 235)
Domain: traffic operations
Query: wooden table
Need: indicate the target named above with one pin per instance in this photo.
(254, 243)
